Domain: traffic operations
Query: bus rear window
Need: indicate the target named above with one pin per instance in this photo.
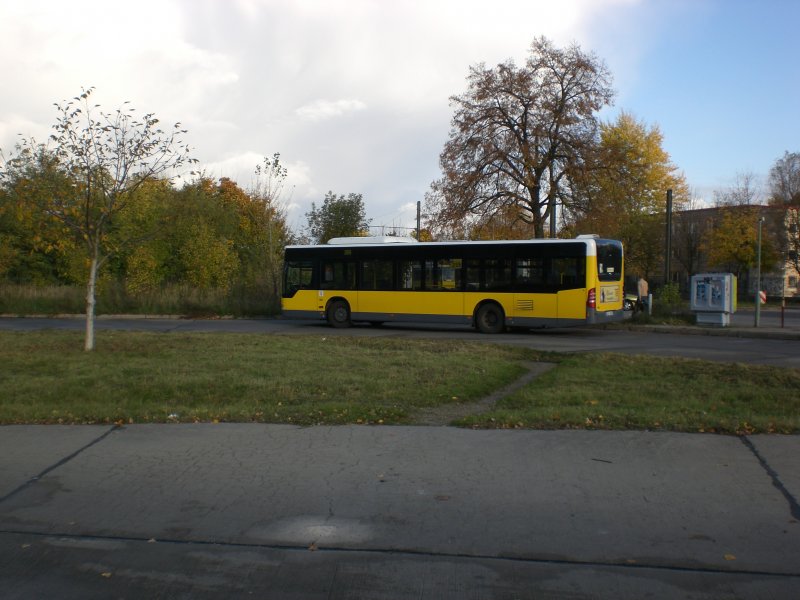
(609, 260)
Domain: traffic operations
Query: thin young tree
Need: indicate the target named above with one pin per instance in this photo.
(108, 157)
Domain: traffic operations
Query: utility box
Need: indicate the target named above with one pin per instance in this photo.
(713, 298)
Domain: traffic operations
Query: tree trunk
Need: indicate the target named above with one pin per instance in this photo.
(90, 302)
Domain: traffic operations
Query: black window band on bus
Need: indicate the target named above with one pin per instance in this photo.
(522, 268)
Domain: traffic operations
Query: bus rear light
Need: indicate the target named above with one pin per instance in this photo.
(591, 300)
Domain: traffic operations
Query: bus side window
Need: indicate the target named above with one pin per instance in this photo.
(327, 276)
(409, 274)
(530, 274)
(497, 274)
(376, 275)
(472, 274)
(570, 272)
(448, 272)
(337, 275)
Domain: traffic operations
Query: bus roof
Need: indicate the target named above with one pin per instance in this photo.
(379, 239)
(383, 241)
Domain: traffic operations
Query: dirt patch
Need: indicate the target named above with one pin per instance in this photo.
(447, 413)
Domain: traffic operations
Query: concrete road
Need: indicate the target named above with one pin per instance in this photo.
(274, 511)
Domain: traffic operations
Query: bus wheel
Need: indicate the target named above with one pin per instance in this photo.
(338, 314)
(490, 318)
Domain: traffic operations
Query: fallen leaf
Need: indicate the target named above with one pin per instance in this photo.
(313, 547)
(730, 557)
(105, 574)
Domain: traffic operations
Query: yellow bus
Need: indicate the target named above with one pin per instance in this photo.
(490, 285)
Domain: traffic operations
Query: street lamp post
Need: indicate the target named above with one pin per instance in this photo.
(758, 273)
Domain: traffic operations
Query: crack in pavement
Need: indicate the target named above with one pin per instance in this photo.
(61, 462)
(409, 552)
(794, 506)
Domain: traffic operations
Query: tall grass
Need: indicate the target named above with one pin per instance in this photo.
(46, 300)
(113, 298)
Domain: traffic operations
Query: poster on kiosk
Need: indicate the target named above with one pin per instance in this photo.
(713, 298)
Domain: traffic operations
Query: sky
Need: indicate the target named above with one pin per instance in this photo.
(354, 94)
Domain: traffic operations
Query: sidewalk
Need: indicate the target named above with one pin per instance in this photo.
(742, 325)
(775, 333)
(250, 510)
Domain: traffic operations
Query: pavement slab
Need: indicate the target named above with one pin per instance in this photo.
(30, 450)
(396, 508)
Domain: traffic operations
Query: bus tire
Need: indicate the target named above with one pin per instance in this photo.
(338, 314)
(490, 318)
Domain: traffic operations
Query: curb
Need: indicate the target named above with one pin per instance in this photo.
(740, 332)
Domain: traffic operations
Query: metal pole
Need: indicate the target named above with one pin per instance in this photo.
(668, 250)
(418, 219)
(758, 274)
(783, 292)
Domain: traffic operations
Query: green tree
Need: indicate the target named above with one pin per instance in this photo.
(108, 156)
(339, 216)
(34, 248)
(216, 236)
(515, 135)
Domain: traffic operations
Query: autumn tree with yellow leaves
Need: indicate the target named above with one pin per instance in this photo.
(623, 189)
(731, 245)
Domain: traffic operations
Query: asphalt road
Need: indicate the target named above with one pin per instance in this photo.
(743, 343)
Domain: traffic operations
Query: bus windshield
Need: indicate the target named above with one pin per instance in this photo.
(609, 260)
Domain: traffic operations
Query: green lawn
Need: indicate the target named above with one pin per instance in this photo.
(613, 391)
(136, 377)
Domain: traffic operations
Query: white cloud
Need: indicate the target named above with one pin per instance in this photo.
(352, 93)
(320, 110)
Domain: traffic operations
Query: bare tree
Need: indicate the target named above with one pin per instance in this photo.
(108, 156)
(745, 191)
(267, 189)
(515, 133)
